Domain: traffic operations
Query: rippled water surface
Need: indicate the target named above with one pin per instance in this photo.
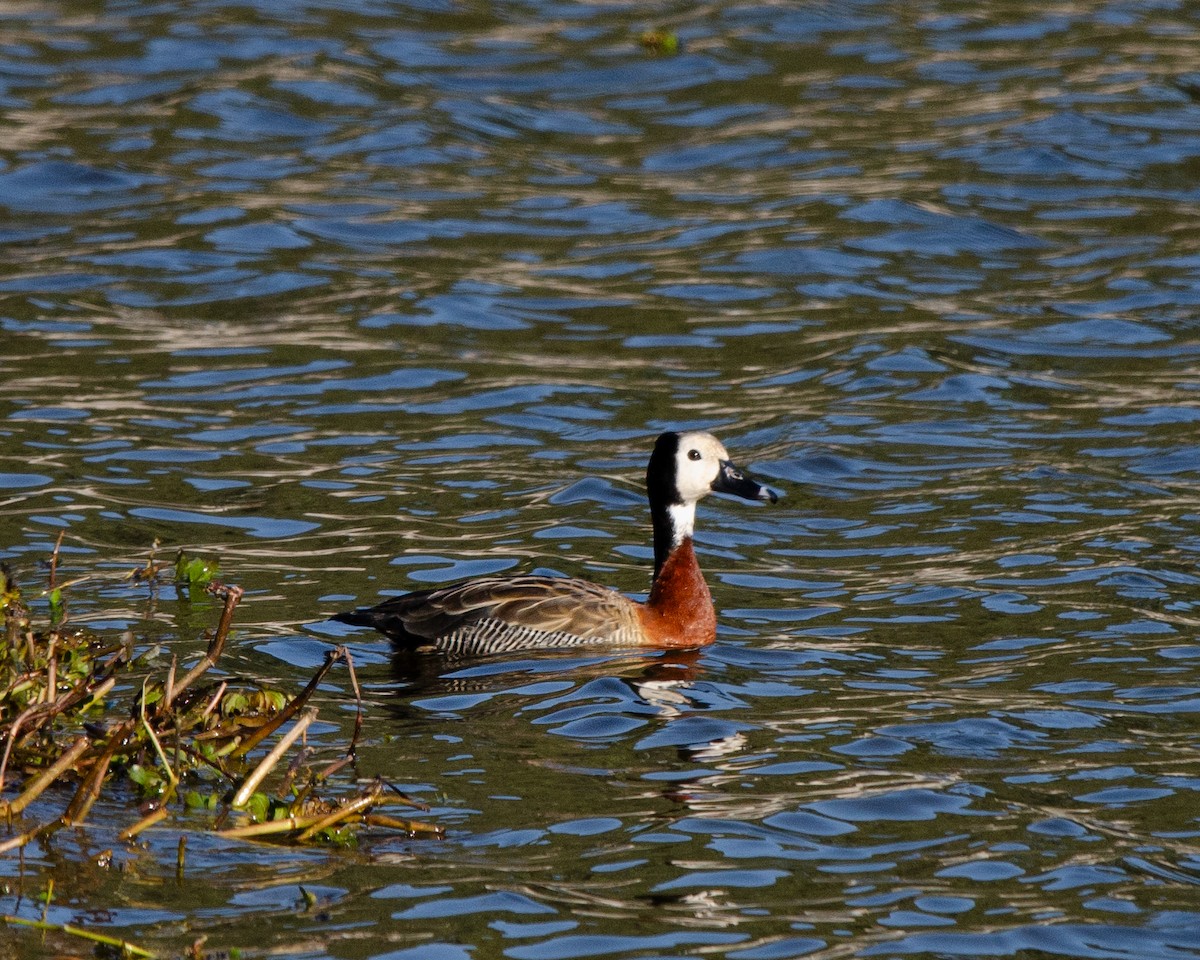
(359, 297)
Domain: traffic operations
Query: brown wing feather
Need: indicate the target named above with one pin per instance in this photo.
(564, 610)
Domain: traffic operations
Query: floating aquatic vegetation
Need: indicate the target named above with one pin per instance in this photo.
(193, 573)
(91, 712)
(659, 41)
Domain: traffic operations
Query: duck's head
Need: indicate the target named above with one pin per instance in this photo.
(685, 467)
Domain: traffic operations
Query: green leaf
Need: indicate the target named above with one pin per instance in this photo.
(201, 572)
(259, 807)
(195, 800)
(56, 606)
(142, 776)
(193, 571)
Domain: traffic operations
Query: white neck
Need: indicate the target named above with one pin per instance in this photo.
(683, 521)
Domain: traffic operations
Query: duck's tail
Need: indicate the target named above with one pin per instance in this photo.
(362, 617)
(387, 618)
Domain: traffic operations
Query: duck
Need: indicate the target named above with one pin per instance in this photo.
(501, 614)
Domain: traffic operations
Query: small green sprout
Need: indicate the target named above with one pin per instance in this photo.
(56, 607)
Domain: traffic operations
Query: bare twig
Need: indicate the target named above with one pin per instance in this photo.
(13, 729)
(89, 790)
(39, 783)
(232, 596)
(250, 784)
(290, 710)
(48, 711)
(169, 684)
(407, 799)
(344, 811)
(358, 716)
(289, 775)
(269, 827)
(334, 767)
(172, 780)
(50, 691)
(54, 559)
(214, 700)
(154, 816)
(124, 946)
(409, 826)
(19, 841)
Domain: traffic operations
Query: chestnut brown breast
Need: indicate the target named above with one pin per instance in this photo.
(679, 611)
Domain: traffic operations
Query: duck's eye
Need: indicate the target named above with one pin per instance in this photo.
(693, 454)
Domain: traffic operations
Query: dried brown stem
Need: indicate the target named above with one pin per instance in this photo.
(39, 783)
(46, 712)
(410, 826)
(358, 716)
(11, 737)
(214, 700)
(51, 689)
(89, 790)
(232, 596)
(14, 843)
(154, 816)
(169, 684)
(407, 799)
(256, 776)
(334, 767)
(269, 828)
(344, 811)
(289, 775)
(54, 559)
(126, 948)
(286, 714)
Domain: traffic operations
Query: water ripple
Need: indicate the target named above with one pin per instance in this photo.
(360, 300)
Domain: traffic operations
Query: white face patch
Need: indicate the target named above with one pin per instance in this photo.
(697, 464)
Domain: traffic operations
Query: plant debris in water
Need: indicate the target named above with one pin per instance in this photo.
(659, 41)
(84, 710)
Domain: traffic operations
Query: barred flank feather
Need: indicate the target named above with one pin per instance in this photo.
(499, 636)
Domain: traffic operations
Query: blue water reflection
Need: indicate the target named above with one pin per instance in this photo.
(362, 298)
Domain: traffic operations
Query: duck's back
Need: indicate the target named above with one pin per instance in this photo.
(497, 614)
